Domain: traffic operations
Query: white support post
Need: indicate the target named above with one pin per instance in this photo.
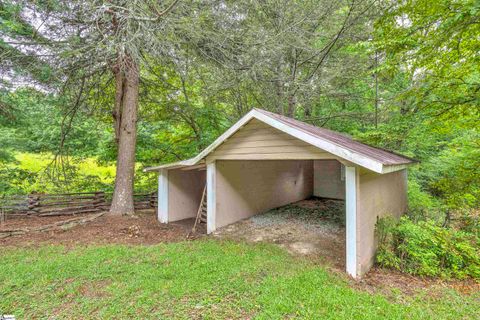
(163, 196)
(211, 197)
(351, 217)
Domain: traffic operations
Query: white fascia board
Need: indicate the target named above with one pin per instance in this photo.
(172, 165)
(193, 161)
(237, 126)
(334, 149)
(393, 168)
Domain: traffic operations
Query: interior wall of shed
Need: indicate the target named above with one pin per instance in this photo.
(185, 188)
(328, 179)
(245, 188)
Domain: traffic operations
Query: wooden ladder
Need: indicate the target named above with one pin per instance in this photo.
(202, 211)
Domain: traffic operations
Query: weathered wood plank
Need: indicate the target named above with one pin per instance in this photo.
(264, 143)
(71, 212)
(245, 132)
(259, 141)
(271, 149)
(273, 156)
(67, 204)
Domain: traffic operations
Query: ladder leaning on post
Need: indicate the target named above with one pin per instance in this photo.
(202, 210)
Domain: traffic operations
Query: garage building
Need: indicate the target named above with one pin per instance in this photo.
(268, 160)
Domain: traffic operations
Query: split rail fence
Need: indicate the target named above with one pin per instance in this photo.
(43, 205)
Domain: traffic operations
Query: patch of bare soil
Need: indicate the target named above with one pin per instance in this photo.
(143, 228)
(389, 282)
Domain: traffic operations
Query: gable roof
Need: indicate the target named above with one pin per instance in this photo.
(374, 159)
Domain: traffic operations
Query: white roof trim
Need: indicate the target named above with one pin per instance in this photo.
(337, 150)
(328, 146)
(190, 162)
(173, 165)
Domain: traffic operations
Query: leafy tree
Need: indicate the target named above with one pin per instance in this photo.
(284, 56)
(436, 44)
(87, 41)
(431, 46)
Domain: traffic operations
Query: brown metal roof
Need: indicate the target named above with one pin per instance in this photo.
(383, 156)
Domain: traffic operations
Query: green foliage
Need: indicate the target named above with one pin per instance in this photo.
(33, 130)
(19, 61)
(455, 174)
(196, 279)
(422, 205)
(31, 172)
(430, 72)
(13, 180)
(37, 121)
(436, 43)
(423, 248)
(182, 115)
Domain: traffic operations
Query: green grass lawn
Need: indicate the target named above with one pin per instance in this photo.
(200, 279)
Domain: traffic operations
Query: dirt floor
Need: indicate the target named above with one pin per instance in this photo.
(313, 229)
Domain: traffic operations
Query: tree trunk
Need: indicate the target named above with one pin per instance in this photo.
(118, 106)
(292, 105)
(122, 201)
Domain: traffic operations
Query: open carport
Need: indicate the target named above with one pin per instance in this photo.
(266, 161)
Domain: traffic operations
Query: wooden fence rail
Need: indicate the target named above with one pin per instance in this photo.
(66, 203)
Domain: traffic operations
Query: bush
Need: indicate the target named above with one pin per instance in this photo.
(421, 205)
(30, 172)
(426, 249)
(469, 221)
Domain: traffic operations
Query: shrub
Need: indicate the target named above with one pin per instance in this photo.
(426, 249)
(421, 205)
(32, 172)
(468, 220)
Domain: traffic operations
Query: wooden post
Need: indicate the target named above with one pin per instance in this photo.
(151, 200)
(162, 204)
(33, 203)
(211, 197)
(99, 202)
(351, 217)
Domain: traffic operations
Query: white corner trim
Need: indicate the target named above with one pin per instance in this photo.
(162, 199)
(211, 197)
(351, 220)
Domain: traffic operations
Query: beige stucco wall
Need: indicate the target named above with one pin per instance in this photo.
(245, 188)
(327, 179)
(184, 193)
(377, 195)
